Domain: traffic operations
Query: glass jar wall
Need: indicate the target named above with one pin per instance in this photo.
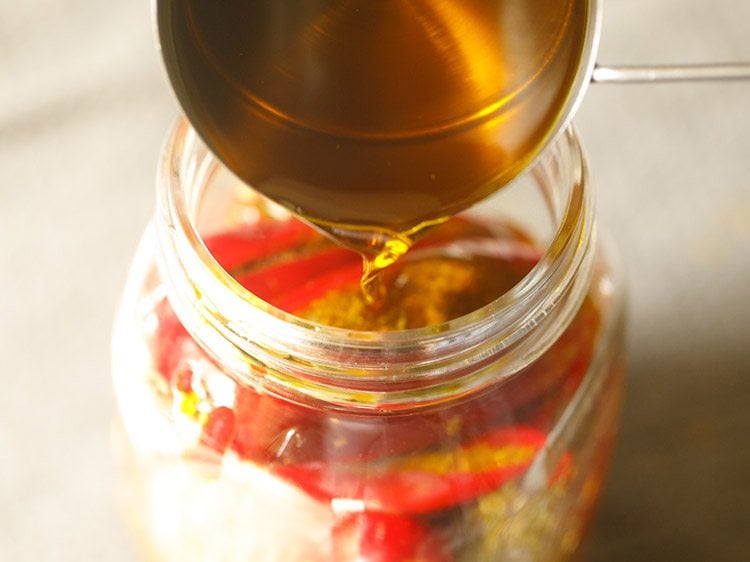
(253, 430)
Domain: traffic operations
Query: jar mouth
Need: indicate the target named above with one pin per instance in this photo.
(257, 331)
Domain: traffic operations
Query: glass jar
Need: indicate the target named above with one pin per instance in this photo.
(250, 433)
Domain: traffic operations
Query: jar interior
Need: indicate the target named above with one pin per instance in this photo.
(218, 201)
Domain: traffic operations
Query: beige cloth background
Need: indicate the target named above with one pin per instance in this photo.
(83, 109)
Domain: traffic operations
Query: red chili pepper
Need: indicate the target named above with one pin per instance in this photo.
(373, 536)
(238, 247)
(556, 375)
(426, 481)
(295, 300)
(277, 282)
(183, 380)
(289, 285)
(269, 428)
(218, 429)
(170, 341)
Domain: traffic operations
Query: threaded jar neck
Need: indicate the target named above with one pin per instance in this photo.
(387, 371)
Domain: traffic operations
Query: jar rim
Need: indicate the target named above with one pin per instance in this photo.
(322, 354)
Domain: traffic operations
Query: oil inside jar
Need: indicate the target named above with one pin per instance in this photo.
(454, 269)
(373, 119)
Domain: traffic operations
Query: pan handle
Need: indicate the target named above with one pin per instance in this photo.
(670, 73)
